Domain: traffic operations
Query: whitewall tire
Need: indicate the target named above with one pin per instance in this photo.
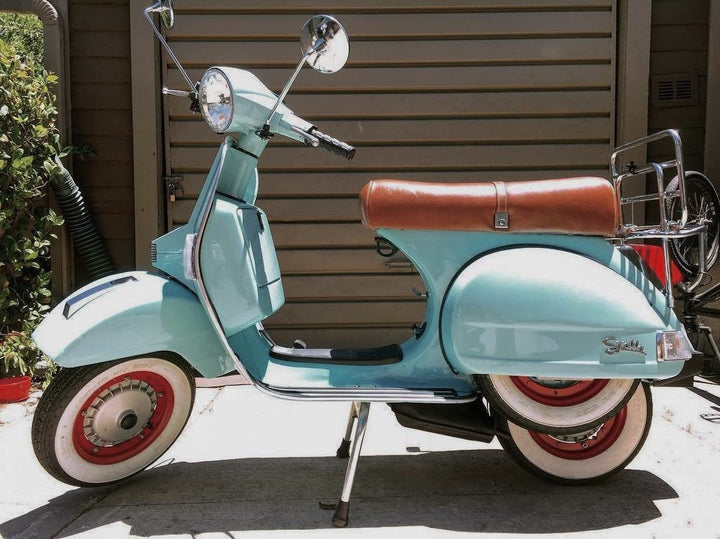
(588, 456)
(101, 423)
(555, 406)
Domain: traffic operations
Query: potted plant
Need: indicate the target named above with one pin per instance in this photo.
(16, 365)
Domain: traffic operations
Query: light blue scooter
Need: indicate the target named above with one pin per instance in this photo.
(538, 329)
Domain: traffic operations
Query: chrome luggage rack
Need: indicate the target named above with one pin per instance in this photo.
(666, 229)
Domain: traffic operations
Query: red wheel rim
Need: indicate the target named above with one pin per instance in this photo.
(570, 395)
(604, 439)
(137, 444)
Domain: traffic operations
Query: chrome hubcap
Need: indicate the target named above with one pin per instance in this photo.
(578, 438)
(554, 383)
(119, 413)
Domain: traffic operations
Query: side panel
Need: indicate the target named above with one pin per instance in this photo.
(545, 312)
(236, 175)
(239, 265)
(131, 314)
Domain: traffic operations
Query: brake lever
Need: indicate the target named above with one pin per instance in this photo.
(176, 93)
(193, 96)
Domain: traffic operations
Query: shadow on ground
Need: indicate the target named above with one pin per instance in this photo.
(705, 395)
(468, 491)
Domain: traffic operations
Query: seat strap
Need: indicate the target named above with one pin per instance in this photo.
(502, 215)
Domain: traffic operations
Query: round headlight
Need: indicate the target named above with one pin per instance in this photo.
(216, 100)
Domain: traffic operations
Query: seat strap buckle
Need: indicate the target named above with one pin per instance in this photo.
(502, 215)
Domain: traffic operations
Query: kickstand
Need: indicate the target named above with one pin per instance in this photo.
(340, 518)
(343, 451)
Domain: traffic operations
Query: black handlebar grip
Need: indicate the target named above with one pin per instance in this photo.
(333, 145)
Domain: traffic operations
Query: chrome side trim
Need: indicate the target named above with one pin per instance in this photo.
(368, 395)
(329, 394)
(78, 301)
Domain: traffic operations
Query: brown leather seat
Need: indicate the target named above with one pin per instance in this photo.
(584, 206)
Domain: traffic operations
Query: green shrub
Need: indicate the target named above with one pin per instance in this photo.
(29, 142)
(24, 32)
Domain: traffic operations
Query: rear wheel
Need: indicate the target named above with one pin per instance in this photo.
(102, 423)
(556, 406)
(586, 456)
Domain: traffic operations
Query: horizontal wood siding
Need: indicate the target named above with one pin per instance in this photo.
(679, 44)
(472, 91)
(102, 119)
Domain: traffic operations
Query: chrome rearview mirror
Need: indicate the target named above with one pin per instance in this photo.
(167, 15)
(325, 43)
(165, 9)
(325, 46)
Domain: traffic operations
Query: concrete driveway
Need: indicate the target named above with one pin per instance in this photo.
(249, 465)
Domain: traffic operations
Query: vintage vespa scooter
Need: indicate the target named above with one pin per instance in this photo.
(538, 328)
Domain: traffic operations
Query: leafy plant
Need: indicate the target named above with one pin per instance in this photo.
(29, 142)
(16, 350)
(24, 32)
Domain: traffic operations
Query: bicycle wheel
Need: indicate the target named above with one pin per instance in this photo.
(703, 208)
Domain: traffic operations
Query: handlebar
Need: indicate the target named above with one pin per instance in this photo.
(333, 145)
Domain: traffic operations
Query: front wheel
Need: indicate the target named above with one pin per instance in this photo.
(101, 423)
(588, 456)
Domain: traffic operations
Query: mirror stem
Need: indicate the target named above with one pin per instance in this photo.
(167, 48)
(281, 97)
(319, 44)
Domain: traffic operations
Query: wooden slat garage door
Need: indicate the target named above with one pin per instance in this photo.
(433, 90)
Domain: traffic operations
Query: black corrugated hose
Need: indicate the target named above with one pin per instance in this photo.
(79, 222)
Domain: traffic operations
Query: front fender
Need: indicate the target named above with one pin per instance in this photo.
(534, 311)
(131, 314)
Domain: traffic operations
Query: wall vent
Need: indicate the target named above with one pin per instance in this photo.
(675, 90)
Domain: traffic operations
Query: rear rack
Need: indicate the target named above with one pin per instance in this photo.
(666, 229)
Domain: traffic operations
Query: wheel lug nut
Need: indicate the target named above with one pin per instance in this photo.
(95, 449)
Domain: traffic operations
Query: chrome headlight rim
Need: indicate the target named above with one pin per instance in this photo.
(209, 109)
